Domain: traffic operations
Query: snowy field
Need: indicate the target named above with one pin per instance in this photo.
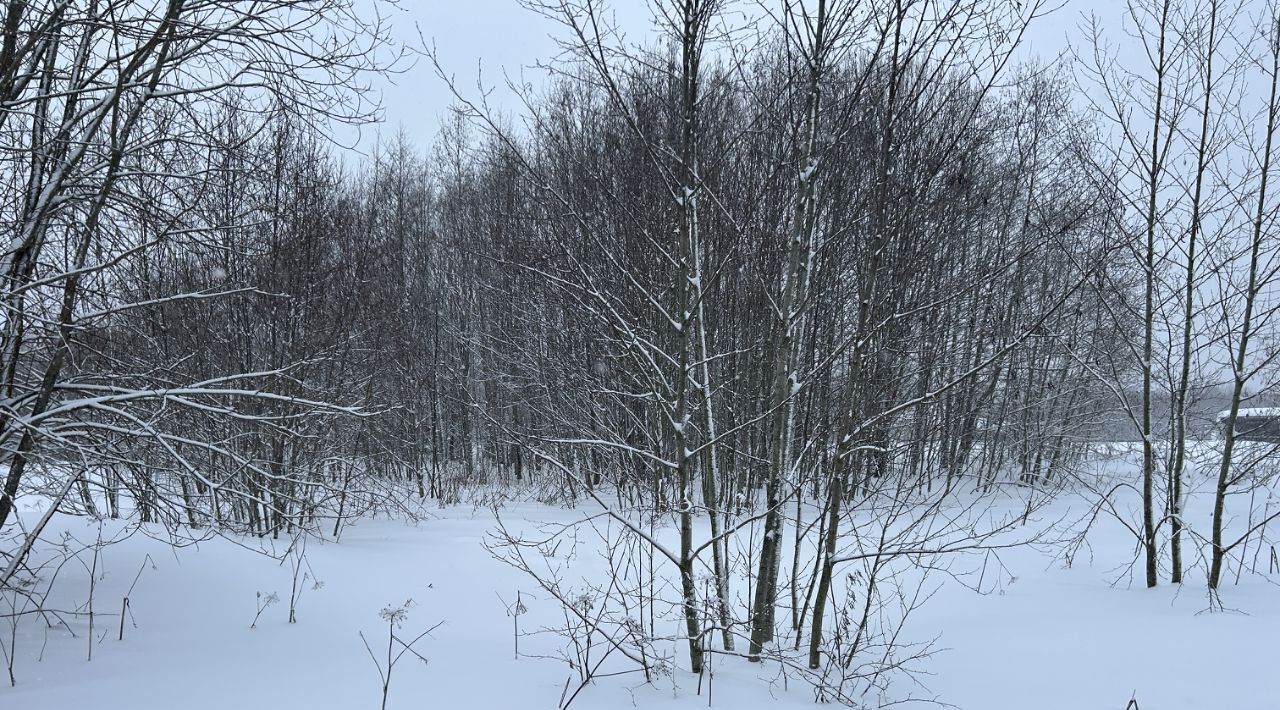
(1045, 635)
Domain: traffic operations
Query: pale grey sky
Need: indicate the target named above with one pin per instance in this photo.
(493, 36)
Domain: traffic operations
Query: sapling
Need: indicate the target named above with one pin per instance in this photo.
(93, 579)
(124, 604)
(297, 556)
(10, 651)
(514, 611)
(515, 621)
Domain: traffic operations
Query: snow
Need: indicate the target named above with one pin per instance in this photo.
(1044, 635)
(192, 639)
(1251, 412)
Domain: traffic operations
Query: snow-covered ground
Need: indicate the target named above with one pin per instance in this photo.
(1049, 637)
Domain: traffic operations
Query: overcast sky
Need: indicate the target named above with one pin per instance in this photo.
(493, 36)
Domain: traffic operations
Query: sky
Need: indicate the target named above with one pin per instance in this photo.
(485, 38)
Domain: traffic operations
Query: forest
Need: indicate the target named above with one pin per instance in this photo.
(741, 348)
